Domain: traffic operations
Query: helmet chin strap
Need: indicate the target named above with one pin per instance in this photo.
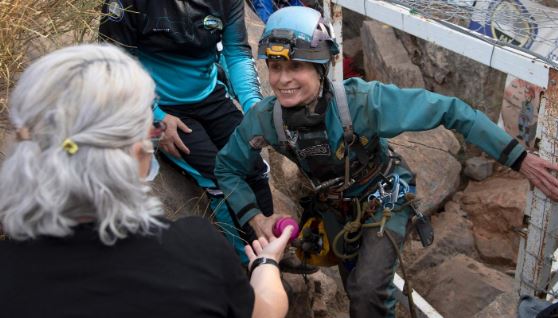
(322, 72)
(312, 105)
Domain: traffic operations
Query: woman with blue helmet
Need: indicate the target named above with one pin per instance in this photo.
(336, 133)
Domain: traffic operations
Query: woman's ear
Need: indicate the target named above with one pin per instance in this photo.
(142, 152)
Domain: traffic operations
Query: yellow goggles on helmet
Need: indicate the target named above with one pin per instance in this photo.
(278, 51)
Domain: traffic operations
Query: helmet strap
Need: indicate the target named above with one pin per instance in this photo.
(312, 105)
(323, 70)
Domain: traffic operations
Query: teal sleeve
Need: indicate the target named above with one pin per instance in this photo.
(396, 110)
(238, 56)
(233, 164)
(158, 113)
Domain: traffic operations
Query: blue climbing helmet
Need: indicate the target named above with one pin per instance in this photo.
(300, 34)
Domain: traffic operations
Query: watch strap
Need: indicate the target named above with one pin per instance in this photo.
(263, 260)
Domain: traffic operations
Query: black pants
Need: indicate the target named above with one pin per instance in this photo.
(212, 121)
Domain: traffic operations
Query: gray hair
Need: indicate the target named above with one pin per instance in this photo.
(100, 98)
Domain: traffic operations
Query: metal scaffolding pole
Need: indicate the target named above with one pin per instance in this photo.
(536, 251)
(335, 15)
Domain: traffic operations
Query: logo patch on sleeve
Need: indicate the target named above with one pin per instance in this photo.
(115, 11)
(212, 23)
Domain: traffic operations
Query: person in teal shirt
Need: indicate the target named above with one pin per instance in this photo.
(337, 135)
(181, 44)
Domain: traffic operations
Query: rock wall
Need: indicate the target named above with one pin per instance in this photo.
(396, 57)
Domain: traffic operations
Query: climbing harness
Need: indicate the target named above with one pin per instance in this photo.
(332, 236)
(390, 190)
(312, 244)
(350, 143)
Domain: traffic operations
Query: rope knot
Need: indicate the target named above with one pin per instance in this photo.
(352, 226)
(387, 213)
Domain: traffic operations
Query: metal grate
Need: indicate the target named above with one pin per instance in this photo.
(530, 26)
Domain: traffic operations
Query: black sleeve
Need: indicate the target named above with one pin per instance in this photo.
(218, 256)
(517, 164)
(118, 23)
(241, 294)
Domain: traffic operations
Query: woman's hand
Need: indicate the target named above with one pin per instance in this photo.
(273, 248)
(170, 142)
(270, 296)
(538, 172)
(263, 225)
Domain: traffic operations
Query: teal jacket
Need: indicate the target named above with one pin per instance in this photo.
(377, 110)
(176, 41)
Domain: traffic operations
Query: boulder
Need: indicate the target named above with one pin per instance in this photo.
(453, 235)
(478, 168)
(179, 193)
(462, 287)
(449, 73)
(495, 206)
(393, 56)
(385, 58)
(505, 305)
(286, 176)
(318, 296)
(283, 203)
(431, 156)
(300, 295)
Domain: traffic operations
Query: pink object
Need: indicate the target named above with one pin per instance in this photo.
(282, 223)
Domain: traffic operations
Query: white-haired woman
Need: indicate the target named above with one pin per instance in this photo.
(85, 236)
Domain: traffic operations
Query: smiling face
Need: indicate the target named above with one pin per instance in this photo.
(294, 82)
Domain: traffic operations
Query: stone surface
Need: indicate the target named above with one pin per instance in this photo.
(505, 305)
(431, 156)
(495, 206)
(478, 168)
(453, 235)
(318, 297)
(179, 193)
(282, 203)
(385, 57)
(397, 57)
(461, 287)
(449, 73)
(286, 176)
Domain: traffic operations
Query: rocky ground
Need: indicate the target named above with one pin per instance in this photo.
(468, 271)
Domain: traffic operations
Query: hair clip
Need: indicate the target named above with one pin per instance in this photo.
(70, 146)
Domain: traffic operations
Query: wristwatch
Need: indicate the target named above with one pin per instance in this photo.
(262, 260)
